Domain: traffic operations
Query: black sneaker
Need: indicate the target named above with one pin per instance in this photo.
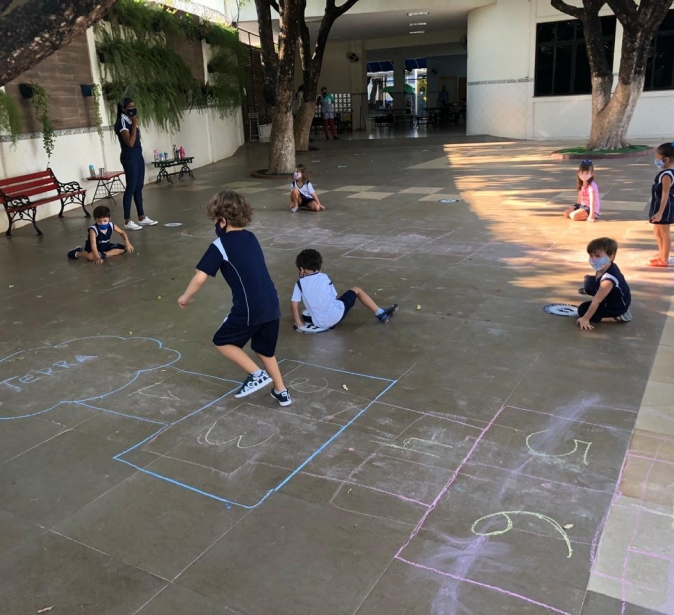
(74, 252)
(306, 317)
(283, 398)
(626, 317)
(388, 313)
(254, 383)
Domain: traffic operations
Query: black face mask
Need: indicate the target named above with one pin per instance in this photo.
(220, 231)
(132, 112)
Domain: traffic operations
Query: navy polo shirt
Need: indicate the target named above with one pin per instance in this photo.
(238, 256)
(122, 124)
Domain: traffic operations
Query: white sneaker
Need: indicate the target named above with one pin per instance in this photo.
(147, 221)
(132, 226)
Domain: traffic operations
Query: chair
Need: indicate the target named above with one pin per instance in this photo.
(254, 121)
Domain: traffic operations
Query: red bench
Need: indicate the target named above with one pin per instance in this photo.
(18, 195)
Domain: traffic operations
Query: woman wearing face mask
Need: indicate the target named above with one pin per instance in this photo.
(302, 193)
(589, 203)
(128, 133)
(661, 213)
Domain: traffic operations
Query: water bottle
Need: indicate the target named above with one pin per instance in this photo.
(92, 171)
(156, 155)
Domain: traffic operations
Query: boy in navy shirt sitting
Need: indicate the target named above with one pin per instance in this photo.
(255, 313)
(98, 246)
(610, 292)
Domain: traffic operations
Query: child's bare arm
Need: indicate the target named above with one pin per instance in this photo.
(125, 237)
(94, 247)
(193, 288)
(593, 205)
(604, 289)
(294, 309)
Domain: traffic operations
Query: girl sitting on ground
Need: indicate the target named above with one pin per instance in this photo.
(302, 193)
(589, 203)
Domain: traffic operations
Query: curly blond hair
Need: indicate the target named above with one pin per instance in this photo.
(230, 206)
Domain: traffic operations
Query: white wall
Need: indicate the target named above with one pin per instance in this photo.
(204, 135)
(501, 68)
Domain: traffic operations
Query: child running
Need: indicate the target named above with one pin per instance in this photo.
(589, 203)
(661, 214)
(324, 309)
(610, 292)
(255, 313)
(98, 246)
(302, 193)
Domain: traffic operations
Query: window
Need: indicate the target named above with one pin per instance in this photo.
(562, 66)
(660, 67)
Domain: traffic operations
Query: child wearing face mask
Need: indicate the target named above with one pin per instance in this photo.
(255, 313)
(98, 246)
(661, 214)
(302, 193)
(610, 292)
(589, 203)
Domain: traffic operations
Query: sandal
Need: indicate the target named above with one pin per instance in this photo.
(656, 262)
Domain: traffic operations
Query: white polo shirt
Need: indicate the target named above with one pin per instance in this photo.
(319, 296)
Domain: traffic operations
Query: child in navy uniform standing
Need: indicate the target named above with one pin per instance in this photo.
(255, 313)
(661, 214)
(608, 287)
(98, 246)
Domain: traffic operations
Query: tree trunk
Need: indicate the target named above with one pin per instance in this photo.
(282, 143)
(610, 125)
(31, 30)
(303, 120)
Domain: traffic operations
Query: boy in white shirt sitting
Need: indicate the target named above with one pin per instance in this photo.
(324, 309)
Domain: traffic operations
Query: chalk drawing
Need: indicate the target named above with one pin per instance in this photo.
(302, 385)
(575, 447)
(408, 442)
(169, 396)
(509, 526)
(238, 438)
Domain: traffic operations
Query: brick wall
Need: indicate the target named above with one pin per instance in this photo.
(193, 55)
(60, 75)
(252, 82)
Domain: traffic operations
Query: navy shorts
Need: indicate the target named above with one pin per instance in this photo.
(306, 201)
(262, 337)
(349, 300)
(104, 247)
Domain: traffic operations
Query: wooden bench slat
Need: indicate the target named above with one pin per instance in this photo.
(25, 178)
(46, 185)
(33, 192)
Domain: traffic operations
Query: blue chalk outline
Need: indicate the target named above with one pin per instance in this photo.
(88, 337)
(166, 426)
(295, 472)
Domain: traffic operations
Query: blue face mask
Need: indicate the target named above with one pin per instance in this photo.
(599, 263)
(132, 112)
(103, 227)
(219, 230)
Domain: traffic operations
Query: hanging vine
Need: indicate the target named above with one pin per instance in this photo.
(40, 100)
(10, 117)
(139, 60)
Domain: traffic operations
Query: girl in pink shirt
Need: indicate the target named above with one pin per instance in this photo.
(589, 203)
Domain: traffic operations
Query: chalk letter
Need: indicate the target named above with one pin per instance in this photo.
(7, 383)
(28, 378)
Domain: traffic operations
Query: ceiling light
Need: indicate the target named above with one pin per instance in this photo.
(417, 13)
(418, 32)
(419, 23)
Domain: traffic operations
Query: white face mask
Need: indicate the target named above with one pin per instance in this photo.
(585, 176)
(298, 175)
(660, 163)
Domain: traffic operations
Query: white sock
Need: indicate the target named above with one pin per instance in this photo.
(258, 373)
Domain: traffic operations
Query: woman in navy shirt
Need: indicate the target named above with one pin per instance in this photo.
(128, 133)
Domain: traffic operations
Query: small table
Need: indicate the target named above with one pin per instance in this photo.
(105, 188)
(162, 165)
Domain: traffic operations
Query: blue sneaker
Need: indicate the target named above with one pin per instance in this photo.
(388, 313)
(74, 252)
(283, 398)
